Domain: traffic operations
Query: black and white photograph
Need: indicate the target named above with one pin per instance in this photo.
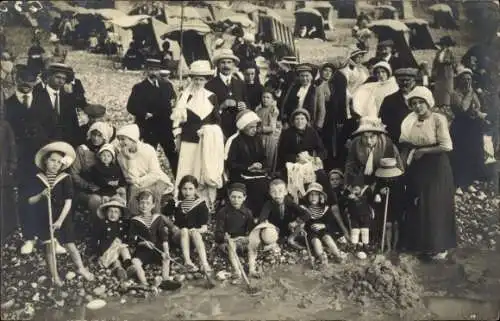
(250, 160)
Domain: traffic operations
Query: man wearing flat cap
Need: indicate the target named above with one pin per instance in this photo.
(386, 52)
(395, 108)
(230, 91)
(151, 103)
(304, 94)
(63, 104)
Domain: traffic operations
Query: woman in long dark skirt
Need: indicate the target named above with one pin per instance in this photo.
(430, 226)
(467, 157)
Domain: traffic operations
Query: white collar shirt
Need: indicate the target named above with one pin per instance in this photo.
(52, 94)
(225, 79)
(20, 97)
(301, 94)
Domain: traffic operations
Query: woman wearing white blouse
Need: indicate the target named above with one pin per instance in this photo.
(430, 212)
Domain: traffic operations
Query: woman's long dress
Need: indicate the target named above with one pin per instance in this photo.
(467, 157)
(430, 219)
(269, 118)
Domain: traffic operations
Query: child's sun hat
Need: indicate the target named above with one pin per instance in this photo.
(267, 232)
(64, 148)
(388, 168)
(115, 201)
(107, 147)
(315, 187)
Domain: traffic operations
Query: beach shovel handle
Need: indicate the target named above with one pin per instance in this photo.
(240, 266)
(308, 247)
(386, 207)
(51, 229)
(163, 253)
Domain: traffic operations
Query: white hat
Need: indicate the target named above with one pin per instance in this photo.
(388, 168)
(61, 147)
(107, 147)
(385, 65)
(115, 201)
(463, 70)
(370, 124)
(130, 131)
(246, 117)
(424, 93)
(102, 127)
(224, 53)
(201, 68)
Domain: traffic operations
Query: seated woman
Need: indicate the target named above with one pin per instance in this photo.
(87, 194)
(246, 159)
(141, 167)
(301, 144)
(430, 226)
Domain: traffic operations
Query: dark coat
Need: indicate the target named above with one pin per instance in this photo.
(254, 94)
(196, 217)
(292, 142)
(146, 98)
(8, 155)
(78, 93)
(105, 232)
(312, 104)
(67, 127)
(194, 122)
(393, 111)
(244, 151)
(33, 128)
(271, 213)
(237, 91)
(232, 221)
(102, 176)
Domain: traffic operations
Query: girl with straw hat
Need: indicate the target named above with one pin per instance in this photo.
(196, 120)
(54, 186)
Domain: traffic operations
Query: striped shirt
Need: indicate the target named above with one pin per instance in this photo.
(187, 205)
(147, 220)
(317, 212)
(51, 178)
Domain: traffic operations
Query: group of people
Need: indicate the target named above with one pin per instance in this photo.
(345, 158)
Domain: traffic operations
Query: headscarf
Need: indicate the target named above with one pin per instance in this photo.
(103, 128)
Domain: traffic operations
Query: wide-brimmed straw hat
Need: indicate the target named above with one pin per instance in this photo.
(315, 187)
(224, 53)
(61, 147)
(115, 201)
(58, 67)
(200, 68)
(370, 124)
(388, 168)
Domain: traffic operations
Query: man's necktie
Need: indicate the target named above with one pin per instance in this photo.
(282, 211)
(25, 101)
(56, 104)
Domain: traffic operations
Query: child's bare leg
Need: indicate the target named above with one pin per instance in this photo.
(365, 235)
(53, 271)
(77, 259)
(253, 245)
(125, 254)
(233, 259)
(318, 250)
(200, 248)
(185, 246)
(332, 246)
(355, 235)
(165, 269)
(141, 275)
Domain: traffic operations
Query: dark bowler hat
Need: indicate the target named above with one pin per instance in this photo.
(95, 111)
(386, 43)
(446, 41)
(25, 75)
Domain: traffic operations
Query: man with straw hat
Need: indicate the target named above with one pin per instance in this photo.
(230, 91)
(443, 72)
(151, 103)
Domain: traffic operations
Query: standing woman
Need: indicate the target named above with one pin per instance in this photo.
(467, 157)
(198, 136)
(430, 222)
(443, 72)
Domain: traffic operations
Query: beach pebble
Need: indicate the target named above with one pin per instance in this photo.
(70, 275)
(180, 277)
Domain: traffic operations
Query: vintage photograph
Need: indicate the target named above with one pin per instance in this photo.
(250, 160)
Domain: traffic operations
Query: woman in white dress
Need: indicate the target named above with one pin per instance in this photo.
(198, 136)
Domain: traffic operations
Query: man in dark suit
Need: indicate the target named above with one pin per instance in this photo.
(51, 93)
(151, 103)
(230, 91)
(395, 108)
(386, 52)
